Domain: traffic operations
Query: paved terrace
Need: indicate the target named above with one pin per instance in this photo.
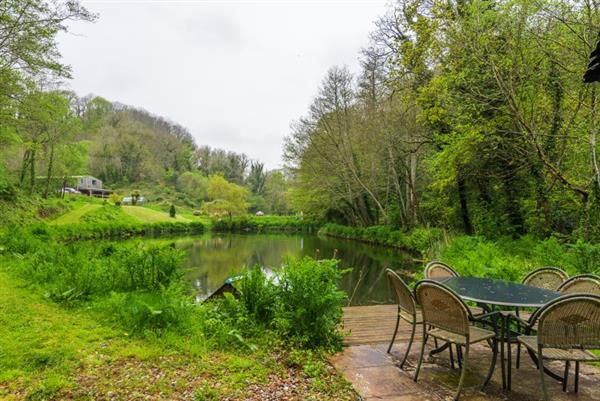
(375, 375)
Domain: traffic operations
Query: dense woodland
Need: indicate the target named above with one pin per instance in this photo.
(470, 115)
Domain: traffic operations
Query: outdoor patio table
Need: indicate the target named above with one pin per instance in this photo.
(491, 293)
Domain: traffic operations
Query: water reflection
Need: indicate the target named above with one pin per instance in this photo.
(211, 259)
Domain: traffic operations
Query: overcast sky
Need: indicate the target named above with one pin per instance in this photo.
(235, 73)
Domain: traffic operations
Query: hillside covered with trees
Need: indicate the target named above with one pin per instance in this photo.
(48, 134)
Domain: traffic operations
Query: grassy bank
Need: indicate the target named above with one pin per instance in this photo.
(505, 257)
(418, 240)
(258, 224)
(111, 320)
(512, 259)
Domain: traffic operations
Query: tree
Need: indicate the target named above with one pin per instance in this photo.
(226, 198)
(45, 121)
(28, 30)
(276, 195)
(193, 184)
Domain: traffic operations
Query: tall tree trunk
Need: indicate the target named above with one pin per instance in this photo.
(26, 160)
(32, 171)
(49, 174)
(464, 209)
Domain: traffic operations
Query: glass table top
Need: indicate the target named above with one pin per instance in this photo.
(499, 292)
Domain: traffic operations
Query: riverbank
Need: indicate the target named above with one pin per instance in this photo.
(114, 320)
(54, 353)
(420, 240)
(504, 257)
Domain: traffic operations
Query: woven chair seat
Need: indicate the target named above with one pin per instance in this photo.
(572, 354)
(409, 318)
(476, 335)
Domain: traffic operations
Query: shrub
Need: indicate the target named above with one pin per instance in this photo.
(301, 304)
(420, 239)
(116, 199)
(264, 224)
(80, 271)
(258, 295)
(172, 211)
(310, 304)
(150, 311)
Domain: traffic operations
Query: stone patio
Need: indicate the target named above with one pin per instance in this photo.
(376, 376)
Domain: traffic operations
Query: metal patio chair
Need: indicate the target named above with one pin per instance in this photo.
(581, 284)
(407, 310)
(437, 269)
(567, 328)
(447, 317)
(549, 278)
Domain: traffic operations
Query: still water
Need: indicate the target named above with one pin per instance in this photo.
(210, 259)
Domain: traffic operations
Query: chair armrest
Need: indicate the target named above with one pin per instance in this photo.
(529, 324)
(481, 317)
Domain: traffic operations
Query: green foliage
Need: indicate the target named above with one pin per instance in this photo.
(511, 259)
(193, 184)
(116, 199)
(264, 224)
(310, 309)
(300, 303)
(8, 190)
(227, 199)
(419, 239)
(172, 211)
(158, 311)
(81, 271)
(258, 295)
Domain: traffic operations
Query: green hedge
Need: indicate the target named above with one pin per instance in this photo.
(257, 224)
(419, 239)
(107, 230)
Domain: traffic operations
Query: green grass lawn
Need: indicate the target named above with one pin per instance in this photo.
(49, 352)
(75, 215)
(146, 215)
(138, 213)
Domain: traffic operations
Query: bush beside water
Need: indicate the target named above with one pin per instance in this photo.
(257, 224)
(505, 258)
(511, 259)
(419, 239)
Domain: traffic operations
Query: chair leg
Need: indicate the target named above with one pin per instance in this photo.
(425, 335)
(463, 373)
(451, 356)
(493, 364)
(576, 377)
(518, 363)
(566, 377)
(412, 337)
(542, 373)
(395, 332)
(459, 355)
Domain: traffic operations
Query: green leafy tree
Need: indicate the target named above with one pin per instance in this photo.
(227, 199)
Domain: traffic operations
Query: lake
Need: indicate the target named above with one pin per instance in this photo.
(211, 258)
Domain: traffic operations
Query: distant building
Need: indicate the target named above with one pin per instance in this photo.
(92, 186)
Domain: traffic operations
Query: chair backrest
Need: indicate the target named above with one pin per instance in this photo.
(549, 278)
(442, 308)
(406, 300)
(436, 269)
(571, 321)
(582, 284)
